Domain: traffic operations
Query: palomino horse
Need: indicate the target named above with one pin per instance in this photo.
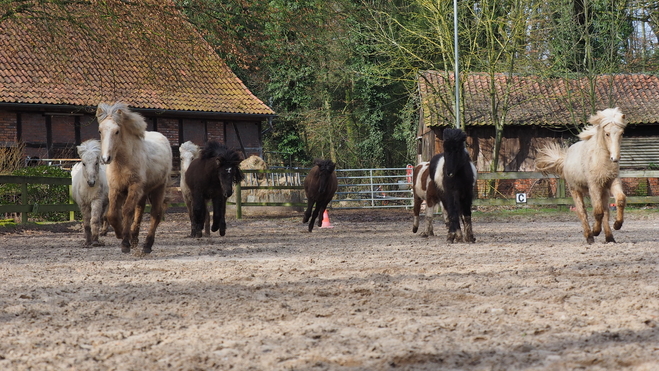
(590, 166)
(139, 165)
(211, 176)
(190, 151)
(319, 185)
(89, 189)
(420, 182)
(452, 181)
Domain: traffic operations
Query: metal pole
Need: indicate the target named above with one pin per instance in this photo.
(456, 54)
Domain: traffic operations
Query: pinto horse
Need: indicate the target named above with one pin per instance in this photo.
(319, 185)
(420, 182)
(139, 163)
(89, 189)
(452, 180)
(591, 166)
(211, 176)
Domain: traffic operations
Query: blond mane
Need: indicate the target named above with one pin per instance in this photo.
(119, 112)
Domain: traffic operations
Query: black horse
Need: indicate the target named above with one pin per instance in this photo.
(319, 185)
(211, 176)
(453, 177)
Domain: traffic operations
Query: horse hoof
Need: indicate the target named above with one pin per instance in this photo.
(97, 244)
(214, 228)
(125, 249)
(617, 225)
(146, 250)
(596, 232)
(223, 232)
(424, 235)
(610, 239)
(590, 240)
(415, 229)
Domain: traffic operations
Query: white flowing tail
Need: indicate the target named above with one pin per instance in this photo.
(551, 159)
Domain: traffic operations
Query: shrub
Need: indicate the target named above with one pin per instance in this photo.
(43, 194)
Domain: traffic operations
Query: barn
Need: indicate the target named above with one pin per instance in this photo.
(537, 110)
(53, 74)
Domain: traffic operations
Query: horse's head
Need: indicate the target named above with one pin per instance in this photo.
(455, 153)
(325, 170)
(610, 125)
(116, 123)
(89, 152)
(229, 173)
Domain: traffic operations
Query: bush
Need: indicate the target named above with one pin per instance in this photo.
(43, 194)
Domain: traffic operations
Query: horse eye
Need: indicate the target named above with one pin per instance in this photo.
(83, 164)
(117, 133)
(608, 135)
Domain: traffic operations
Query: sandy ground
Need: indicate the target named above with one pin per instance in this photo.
(365, 295)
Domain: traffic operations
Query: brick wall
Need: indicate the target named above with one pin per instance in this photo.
(7, 127)
(33, 127)
(63, 129)
(88, 128)
(215, 131)
(169, 128)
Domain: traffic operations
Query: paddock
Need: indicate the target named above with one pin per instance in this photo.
(367, 294)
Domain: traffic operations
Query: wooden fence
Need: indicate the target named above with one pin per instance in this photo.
(25, 208)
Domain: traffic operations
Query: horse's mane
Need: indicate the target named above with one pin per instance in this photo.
(215, 149)
(189, 147)
(608, 116)
(454, 140)
(131, 121)
(325, 165)
(91, 146)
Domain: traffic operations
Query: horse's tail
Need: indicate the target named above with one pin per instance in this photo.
(551, 159)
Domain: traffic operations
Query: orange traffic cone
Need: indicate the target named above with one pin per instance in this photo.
(326, 222)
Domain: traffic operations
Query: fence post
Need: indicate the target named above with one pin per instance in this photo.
(239, 200)
(72, 214)
(372, 190)
(24, 200)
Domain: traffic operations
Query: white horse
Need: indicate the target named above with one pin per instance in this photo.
(189, 151)
(89, 189)
(139, 166)
(591, 166)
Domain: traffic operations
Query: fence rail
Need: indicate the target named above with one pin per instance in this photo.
(358, 188)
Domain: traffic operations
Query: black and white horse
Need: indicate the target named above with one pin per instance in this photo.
(452, 177)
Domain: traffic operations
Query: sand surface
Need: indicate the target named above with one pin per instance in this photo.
(368, 294)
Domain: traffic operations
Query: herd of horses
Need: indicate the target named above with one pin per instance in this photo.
(129, 166)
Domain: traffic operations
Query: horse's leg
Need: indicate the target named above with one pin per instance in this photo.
(307, 213)
(466, 220)
(137, 221)
(96, 221)
(621, 202)
(223, 214)
(314, 215)
(188, 205)
(86, 218)
(104, 218)
(416, 210)
(216, 213)
(207, 223)
(600, 204)
(604, 201)
(157, 197)
(134, 196)
(579, 206)
(198, 213)
(430, 215)
(453, 219)
(116, 201)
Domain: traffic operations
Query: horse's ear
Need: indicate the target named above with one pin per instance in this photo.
(218, 161)
(80, 149)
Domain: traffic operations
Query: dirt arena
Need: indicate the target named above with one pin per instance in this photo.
(367, 294)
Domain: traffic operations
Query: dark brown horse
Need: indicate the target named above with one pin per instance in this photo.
(320, 186)
(211, 176)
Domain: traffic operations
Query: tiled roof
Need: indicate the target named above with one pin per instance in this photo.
(540, 101)
(151, 61)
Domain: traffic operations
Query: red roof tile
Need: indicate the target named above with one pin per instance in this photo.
(150, 61)
(539, 101)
